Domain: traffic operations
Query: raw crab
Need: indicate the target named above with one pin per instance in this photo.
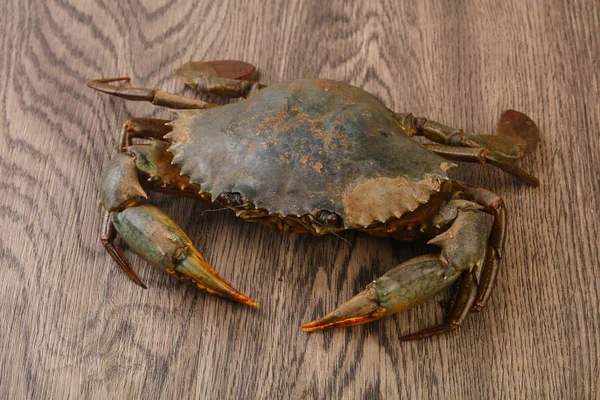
(318, 156)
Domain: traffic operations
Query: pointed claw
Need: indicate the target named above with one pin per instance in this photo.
(401, 288)
(151, 234)
(118, 256)
(203, 276)
(507, 165)
(362, 308)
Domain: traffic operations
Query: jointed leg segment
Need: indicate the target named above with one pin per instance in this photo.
(154, 96)
(143, 128)
(494, 205)
(516, 136)
(483, 155)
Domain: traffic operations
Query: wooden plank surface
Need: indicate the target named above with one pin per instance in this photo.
(71, 325)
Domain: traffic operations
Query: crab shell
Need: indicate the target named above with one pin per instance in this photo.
(306, 146)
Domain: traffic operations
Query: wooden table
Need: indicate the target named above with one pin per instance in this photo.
(72, 326)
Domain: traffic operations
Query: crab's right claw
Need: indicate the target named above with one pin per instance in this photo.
(225, 78)
(150, 233)
(194, 268)
(401, 288)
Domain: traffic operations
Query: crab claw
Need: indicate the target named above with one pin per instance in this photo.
(362, 308)
(150, 233)
(401, 288)
(195, 268)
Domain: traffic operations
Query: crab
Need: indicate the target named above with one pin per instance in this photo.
(314, 156)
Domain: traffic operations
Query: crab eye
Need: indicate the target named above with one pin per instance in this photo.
(329, 219)
(232, 199)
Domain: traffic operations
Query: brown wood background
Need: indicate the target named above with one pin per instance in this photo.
(71, 324)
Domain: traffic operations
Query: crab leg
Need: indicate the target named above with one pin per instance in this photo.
(154, 96)
(516, 136)
(132, 128)
(494, 205)
(151, 234)
(487, 278)
(224, 78)
(143, 128)
(483, 155)
(463, 246)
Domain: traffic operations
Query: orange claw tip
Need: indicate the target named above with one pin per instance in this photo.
(246, 300)
(321, 323)
(227, 291)
(360, 309)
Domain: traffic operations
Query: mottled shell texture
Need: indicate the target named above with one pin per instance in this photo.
(307, 145)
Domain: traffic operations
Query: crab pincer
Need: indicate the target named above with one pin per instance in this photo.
(401, 288)
(464, 249)
(151, 234)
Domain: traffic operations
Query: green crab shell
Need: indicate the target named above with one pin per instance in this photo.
(308, 145)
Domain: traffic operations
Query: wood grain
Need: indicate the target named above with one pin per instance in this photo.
(73, 327)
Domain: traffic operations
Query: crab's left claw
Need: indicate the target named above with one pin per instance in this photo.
(401, 288)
